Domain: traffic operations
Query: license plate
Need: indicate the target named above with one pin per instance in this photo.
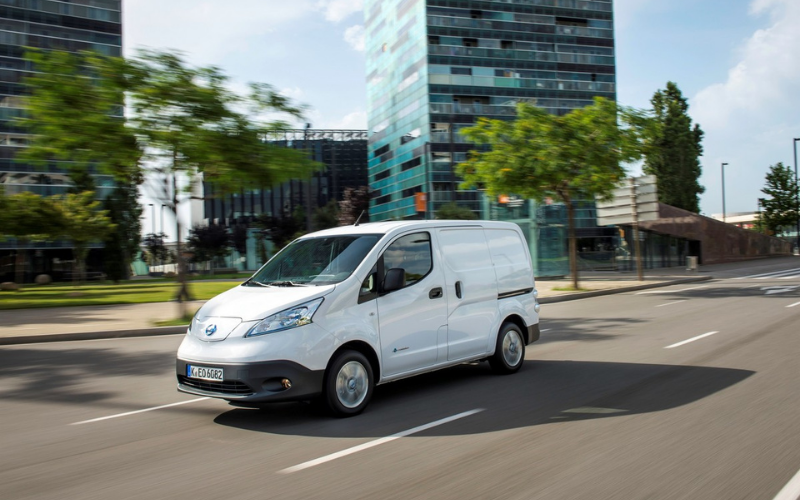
(204, 373)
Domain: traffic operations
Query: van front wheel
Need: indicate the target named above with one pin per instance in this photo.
(509, 353)
(348, 384)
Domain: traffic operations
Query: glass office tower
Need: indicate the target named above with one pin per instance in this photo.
(434, 66)
(73, 26)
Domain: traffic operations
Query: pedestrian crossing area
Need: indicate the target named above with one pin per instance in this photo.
(786, 274)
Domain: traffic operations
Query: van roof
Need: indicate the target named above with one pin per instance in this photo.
(399, 226)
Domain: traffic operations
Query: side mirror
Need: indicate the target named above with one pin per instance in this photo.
(395, 279)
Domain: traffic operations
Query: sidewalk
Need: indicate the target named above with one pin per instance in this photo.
(20, 326)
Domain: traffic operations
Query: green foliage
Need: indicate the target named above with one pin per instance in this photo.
(156, 252)
(239, 238)
(539, 155)
(83, 222)
(780, 209)
(74, 111)
(327, 216)
(452, 211)
(209, 243)
(674, 150)
(122, 243)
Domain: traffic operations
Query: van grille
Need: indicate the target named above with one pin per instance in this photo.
(224, 387)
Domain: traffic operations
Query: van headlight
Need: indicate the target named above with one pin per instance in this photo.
(284, 320)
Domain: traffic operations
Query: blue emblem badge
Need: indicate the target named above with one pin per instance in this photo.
(211, 330)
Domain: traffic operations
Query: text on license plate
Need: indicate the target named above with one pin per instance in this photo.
(204, 373)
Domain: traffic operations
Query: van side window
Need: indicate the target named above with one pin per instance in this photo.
(411, 253)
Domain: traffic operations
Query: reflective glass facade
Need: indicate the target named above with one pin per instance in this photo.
(434, 66)
(75, 25)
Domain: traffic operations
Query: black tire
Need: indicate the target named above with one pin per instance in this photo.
(509, 352)
(349, 384)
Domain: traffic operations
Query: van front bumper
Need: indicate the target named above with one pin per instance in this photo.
(257, 382)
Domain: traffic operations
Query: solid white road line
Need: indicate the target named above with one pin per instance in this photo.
(767, 274)
(545, 330)
(795, 304)
(670, 303)
(690, 340)
(376, 442)
(138, 411)
(792, 489)
(672, 291)
(789, 277)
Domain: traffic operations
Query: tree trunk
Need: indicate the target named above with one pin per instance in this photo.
(573, 243)
(183, 290)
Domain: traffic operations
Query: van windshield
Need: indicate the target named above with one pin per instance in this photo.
(315, 261)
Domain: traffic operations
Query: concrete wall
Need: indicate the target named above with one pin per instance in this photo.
(719, 242)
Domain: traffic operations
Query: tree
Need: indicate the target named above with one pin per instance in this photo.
(190, 125)
(568, 157)
(83, 222)
(208, 243)
(780, 209)
(327, 216)
(452, 211)
(156, 251)
(239, 238)
(122, 243)
(74, 113)
(355, 201)
(28, 217)
(674, 150)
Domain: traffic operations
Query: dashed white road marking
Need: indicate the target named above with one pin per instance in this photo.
(670, 303)
(795, 304)
(673, 291)
(138, 411)
(690, 340)
(377, 442)
(792, 489)
(767, 275)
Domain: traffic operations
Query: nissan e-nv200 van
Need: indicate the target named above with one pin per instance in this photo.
(339, 311)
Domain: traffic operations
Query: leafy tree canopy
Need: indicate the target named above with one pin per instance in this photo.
(780, 208)
(451, 211)
(674, 149)
(539, 155)
(209, 242)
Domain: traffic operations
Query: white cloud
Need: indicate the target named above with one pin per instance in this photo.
(293, 93)
(355, 120)
(354, 35)
(338, 10)
(750, 118)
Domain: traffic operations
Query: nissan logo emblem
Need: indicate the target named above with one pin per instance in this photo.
(211, 330)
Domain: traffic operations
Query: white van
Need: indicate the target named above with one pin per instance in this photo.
(339, 311)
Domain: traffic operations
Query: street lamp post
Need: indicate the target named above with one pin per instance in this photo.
(723, 192)
(797, 194)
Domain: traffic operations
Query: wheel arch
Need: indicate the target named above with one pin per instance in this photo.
(365, 349)
(517, 320)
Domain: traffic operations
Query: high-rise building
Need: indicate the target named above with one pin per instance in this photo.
(434, 66)
(72, 25)
(76, 25)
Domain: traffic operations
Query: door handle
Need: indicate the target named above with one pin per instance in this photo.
(436, 293)
(458, 289)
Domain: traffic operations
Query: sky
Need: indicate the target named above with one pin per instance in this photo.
(737, 61)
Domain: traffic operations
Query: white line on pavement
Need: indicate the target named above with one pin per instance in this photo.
(785, 271)
(672, 291)
(690, 340)
(795, 304)
(545, 330)
(792, 489)
(789, 277)
(138, 411)
(670, 303)
(376, 442)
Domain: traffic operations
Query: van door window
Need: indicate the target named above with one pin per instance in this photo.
(412, 253)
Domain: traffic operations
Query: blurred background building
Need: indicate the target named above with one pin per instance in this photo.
(73, 26)
(435, 66)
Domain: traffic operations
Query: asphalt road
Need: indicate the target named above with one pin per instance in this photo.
(627, 396)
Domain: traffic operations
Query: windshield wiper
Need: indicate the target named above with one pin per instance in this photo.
(284, 283)
(251, 280)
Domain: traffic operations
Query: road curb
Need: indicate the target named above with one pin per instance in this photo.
(113, 334)
(173, 330)
(611, 291)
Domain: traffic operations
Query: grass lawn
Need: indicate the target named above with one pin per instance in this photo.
(137, 292)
